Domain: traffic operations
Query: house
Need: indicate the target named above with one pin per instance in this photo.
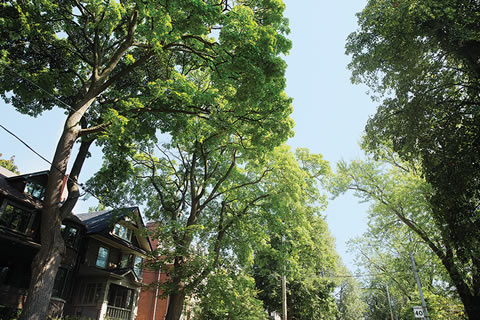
(108, 281)
(101, 273)
(152, 305)
(20, 213)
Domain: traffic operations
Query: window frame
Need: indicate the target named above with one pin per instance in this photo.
(24, 211)
(59, 284)
(138, 266)
(35, 187)
(106, 257)
(122, 231)
(65, 230)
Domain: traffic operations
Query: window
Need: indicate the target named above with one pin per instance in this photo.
(102, 257)
(69, 234)
(120, 297)
(138, 266)
(92, 293)
(125, 261)
(122, 231)
(16, 218)
(35, 190)
(59, 284)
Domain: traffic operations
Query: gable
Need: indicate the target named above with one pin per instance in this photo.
(121, 225)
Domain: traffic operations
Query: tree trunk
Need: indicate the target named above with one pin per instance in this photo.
(47, 261)
(471, 302)
(44, 269)
(472, 307)
(175, 305)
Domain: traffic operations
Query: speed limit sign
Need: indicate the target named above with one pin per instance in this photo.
(418, 312)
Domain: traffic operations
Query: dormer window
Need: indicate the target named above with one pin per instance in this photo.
(122, 231)
(35, 190)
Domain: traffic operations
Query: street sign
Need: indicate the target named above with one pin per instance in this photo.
(418, 312)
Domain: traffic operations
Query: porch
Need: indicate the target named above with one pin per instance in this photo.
(116, 313)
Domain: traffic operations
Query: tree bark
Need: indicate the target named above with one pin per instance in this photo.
(175, 305)
(471, 301)
(47, 261)
(472, 307)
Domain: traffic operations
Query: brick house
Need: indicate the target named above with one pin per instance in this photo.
(151, 305)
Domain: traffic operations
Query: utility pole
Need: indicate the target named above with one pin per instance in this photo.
(284, 288)
(284, 297)
(419, 285)
(389, 302)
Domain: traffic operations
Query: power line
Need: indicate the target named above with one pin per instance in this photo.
(364, 275)
(50, 163)
(43, 90)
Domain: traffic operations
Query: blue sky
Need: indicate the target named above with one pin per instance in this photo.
(329, 112)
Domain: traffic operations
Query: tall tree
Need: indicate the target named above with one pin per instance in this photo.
(302, 250)
(307, 258)
(229, 295)
(421, 58)
(349, 296)
(400, 223)
(214, 200)
(122, 70)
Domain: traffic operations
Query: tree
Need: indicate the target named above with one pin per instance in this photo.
(307, 257)
(9, 164)
(400, 223)
(349, 300)
(302, 250)
(421, 59)
(385, 255)
(213, 200)
(122, 70)
(230, 295)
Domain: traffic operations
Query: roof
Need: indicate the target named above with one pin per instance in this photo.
(101, 222)
(7, 173)
(8, 190)
(42, 174)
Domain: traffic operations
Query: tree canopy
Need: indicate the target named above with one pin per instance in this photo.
(217, 206)
(124, 71)
(421, 60)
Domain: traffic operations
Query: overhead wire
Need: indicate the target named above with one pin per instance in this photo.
(69, 107)
(50, 163)
(33, 150)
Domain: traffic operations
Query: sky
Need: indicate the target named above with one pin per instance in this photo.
(330, 113)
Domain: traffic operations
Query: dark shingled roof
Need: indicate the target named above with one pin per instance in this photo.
(10, 191)
(102, 221)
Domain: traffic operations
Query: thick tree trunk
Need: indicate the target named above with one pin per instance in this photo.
(175, 305)
(47, 261)
(44, 269)
(471, 302)
(472, 307)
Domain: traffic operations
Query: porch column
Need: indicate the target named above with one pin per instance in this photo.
(103, 309)
(133, 313)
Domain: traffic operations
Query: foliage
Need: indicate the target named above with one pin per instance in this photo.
(306, 255)
(229, 296)
(9, 164)
(349, 300)
(124, 71)
(421, 58)
(399, 224)
(216, 202)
